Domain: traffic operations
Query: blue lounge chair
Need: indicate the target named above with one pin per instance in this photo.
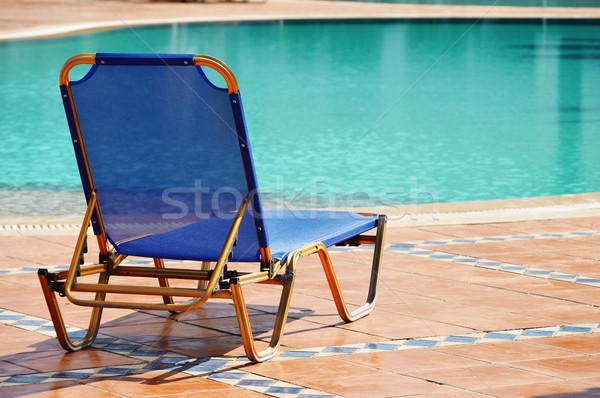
(167, 172)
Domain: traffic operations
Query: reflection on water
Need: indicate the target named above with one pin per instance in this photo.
(356, 112)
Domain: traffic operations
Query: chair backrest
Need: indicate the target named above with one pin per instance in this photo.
(162, 146)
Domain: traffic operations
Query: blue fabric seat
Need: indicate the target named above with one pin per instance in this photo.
(288, 231)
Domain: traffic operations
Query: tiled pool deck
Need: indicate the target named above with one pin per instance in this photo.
(507, 309)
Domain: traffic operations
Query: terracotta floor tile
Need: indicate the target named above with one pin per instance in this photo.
(539, 226)
(585, 222)
(568, 368)
(412, 360)
(404, 326)
(553, 389)
(48, 361)
(552, 244)
(588, 344)
(320, 336)
(207, 346)
(505, 352)
(10, 369)
(592, 253)
(405, 234)
(467, 231)
(478, 250)
(14, 340)
(572, 314)
(328, 375)
(153, 332)
(482, 376)
(56, 389)
(309, 369)
(380, 385)
(592, 381)
(163, 384)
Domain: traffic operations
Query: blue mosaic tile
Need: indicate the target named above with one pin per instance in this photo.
(435, 242)
(381, 346)
(576, 329)
(25, 380)
(161, 366)
(256, 383)
(122, 347)
(461, 339)
(117, 371)
(464, 241)
(489, 263)
(11, 317)
(421, 343)
(562, 277)
(80, 334)
(587, 280)
(104, 340)
(495, 239)
(582, 233)
(538, 272)
(315, 396)
(500, 336)
(147, 353)
(465, 260)
(139, 262)
(513, 268)
(210, 362)
(297, 354)
(71, 375)
(400, 248)
(30, 323)
(443, 256)
(227, 375)
(539, 333)
(341, 350)
(172, 360)
(401, 244)
(45, 329)
(553, 235)
(421, 252)
(522, 237)
(284, 390)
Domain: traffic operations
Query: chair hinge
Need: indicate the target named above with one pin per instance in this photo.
(268, 267)
(108, 259)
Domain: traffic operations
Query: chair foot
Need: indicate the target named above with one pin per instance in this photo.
(244, 321)
(334, 286)
(59, 325)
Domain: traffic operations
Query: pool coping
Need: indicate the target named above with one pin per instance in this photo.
(67, 19)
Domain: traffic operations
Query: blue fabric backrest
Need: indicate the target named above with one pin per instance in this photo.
(161, 142)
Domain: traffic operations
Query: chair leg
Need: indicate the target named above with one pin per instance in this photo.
(163, 282)
(334, 286)
(58, 321)
(280, 320)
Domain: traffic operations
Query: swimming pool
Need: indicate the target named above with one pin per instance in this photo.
(356, 112)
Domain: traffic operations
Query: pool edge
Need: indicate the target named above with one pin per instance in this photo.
(123, 15)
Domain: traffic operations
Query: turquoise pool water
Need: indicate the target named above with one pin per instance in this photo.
(355, 112)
